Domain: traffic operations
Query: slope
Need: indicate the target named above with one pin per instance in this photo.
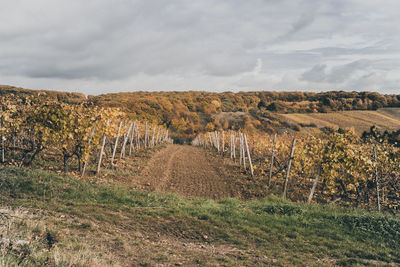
(360, 120)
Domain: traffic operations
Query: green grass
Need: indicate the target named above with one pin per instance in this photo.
(281, 232)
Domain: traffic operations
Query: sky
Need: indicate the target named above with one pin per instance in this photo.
(104, 46)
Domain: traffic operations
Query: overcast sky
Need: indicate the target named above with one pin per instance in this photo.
(102, 46)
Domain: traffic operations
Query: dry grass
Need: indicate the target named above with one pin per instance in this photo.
(30, 237)
(360, 120)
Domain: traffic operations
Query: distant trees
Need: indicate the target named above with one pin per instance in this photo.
(187, 113)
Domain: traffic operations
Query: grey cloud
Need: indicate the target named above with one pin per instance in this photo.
(316, 74)
(338, 74)
(344, 72)
(198, 44)
(306, 19)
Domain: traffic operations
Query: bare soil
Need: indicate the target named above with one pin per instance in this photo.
(191, 172)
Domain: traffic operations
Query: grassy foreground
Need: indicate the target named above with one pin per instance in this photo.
(59, 220)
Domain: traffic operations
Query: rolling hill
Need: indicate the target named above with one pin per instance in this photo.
(360, 120)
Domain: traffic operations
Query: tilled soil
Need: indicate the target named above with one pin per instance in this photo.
(191, 172)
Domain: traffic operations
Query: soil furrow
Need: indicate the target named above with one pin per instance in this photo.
(190, 172)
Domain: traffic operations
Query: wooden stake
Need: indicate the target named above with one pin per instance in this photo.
(131, 138)
(288, 169)
(240, 150)
(231, 146)
(223, 142)
(154, 136)
(248, 155)
(314, 186)
(272, 161)
(217, 136)
(116, 143)
(102, 150)
(89, 141)
(137, 137)
(377, 180)
(243, 153)
(146, 135)
(234, 145)
(158, 136)
(126, 137)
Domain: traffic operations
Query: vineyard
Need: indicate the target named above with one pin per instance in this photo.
(84, 185)
(330, 167)
(327, 167)
(83, 137)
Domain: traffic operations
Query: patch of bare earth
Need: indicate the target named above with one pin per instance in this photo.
(191, 172)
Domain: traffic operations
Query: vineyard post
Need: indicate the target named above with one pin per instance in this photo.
(234, 145)
(162, 133)
(288, 169)
(240, 150)
(102, 149)
(249, 157)
(131, 138)
(217, 136)
(377, 180)
(158, 136)
(243, 152)
(213, 139)
(223, 142)
(145, 135)
(137, 137)
(126, 137)
(89, 141)
(209, 137)
(272, 161)
(231, 146)
(116, 143)
(154, 134)
(314, 185)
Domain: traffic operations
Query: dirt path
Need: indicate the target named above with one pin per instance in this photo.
(189, 171)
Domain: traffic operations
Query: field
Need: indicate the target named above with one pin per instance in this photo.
(59, 220)
(82, 185)
(360, 120)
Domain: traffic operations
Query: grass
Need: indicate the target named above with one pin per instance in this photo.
(105, 224)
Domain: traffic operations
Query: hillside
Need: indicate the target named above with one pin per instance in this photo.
(129, 196)
(66, 97)
(192, 112)
(187, 113)
(359, 120)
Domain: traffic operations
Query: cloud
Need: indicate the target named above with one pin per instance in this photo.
(103, 46)
(341, 73)
(337, 74)
(316, 74)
